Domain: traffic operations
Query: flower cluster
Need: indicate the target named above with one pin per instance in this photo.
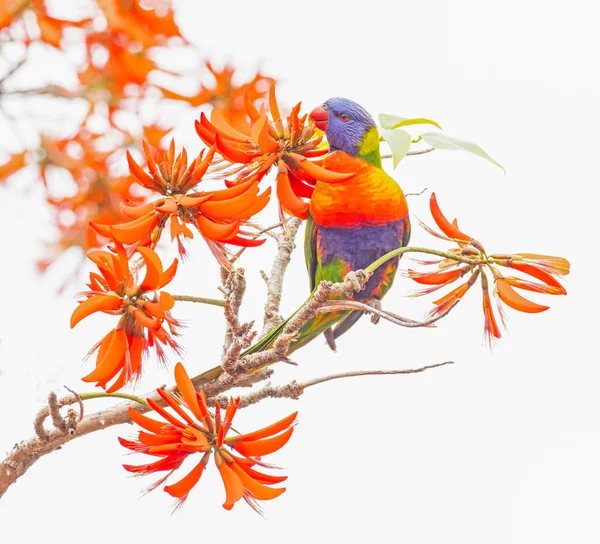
(194, 430)
(472, 260)
(250, 151)
(226, 95)
(143, 312)
(216, 214)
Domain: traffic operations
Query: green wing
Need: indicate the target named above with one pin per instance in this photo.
(310, 250)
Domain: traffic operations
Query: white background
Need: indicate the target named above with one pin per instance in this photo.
(498, 448)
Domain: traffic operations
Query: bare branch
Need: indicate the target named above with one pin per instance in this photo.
(411, 153)
(245, 371)
(294, 390)
(285, 246)
(12, 70)
(341, 305)
(233, 287)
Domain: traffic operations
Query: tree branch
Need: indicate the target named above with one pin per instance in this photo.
(285, 246)
(294, 390)
(245, 371)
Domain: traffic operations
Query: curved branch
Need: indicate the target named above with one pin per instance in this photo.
(341, 305)
(294, 390)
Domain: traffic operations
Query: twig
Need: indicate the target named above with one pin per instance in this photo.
(294, 390)
(200, 300)
(285, 246)
(11, 71)
(341, 305)
(254, 237)
(416, 194)
(411, 153)
(79, 401)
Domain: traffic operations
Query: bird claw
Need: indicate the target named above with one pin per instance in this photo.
(356, 279)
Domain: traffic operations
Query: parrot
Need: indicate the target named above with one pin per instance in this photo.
(351, 223)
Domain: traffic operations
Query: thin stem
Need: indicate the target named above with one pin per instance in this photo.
(411, 153)
(400, 251)
(356, 373)
(101, 394)
(201, 300)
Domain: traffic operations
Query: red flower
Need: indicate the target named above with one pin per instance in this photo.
(540, 267)
(249, 153)
(143, 311)
(194, 430)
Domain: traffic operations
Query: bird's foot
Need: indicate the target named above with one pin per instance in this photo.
(357, 279)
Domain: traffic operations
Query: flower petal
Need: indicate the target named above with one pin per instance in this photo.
(445, 226)
(234, 489)
(258, 448)
(96, 303)
(257, 489)
(181, 488)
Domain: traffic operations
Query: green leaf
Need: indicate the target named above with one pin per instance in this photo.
(392, 122)
(441, 140)
(399, 142)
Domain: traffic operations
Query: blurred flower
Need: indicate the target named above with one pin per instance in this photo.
(250, 152)
(12, 166)
(143, 311)
(540, 267)
(194, 430)
(226, 95)
(51, 29)
(10, 10)
(147, 25)
(216, 214)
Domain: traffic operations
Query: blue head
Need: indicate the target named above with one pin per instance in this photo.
(346, 125)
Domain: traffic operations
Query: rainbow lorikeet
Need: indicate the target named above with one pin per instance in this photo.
(350, 223)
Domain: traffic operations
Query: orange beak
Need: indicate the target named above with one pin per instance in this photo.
(319, 117)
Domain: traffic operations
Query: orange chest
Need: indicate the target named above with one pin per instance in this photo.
(370, 197)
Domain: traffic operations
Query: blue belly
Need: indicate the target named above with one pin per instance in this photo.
(360, 247)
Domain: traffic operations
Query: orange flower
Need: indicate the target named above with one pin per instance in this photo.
(12, 166)
(227, 95)
(10, 10)
(143, 311)
(250, 152)
(148, 25)
(194, 430)
(216, 214)
(540, 267)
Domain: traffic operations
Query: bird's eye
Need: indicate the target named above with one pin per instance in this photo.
(345, 117)
(325, 107)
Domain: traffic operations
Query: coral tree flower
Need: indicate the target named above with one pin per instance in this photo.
(194, 430)
(267, 141)
(218, 215)
(144, 313)
(226, 94)
(542, 268)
